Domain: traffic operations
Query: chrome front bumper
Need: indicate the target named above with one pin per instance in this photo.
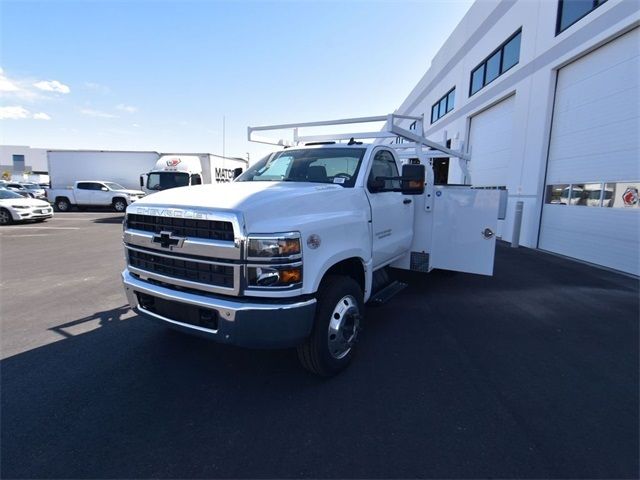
(251, 324)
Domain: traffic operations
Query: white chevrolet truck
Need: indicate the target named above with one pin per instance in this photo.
(289, 253)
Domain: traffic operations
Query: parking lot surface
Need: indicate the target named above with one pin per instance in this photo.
(530, 373)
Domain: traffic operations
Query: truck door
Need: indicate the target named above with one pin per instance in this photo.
(391, 212)
(464, 224)
(83, 193)
(101, 194)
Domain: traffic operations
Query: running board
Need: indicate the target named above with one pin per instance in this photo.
(385, 294)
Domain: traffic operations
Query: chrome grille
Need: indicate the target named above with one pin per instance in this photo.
(183, 227)
(203, 253)
(181, 268)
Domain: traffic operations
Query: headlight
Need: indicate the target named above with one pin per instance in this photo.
(281, 245)
(274, 276)
(19, 206)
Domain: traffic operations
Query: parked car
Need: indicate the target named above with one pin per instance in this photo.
(23, 193)
(16, 208)
(18, 187)
(35, 189)
(93, 194)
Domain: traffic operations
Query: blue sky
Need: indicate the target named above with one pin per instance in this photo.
(161, 75)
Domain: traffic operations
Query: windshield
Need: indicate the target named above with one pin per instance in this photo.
(318, 165)
(32, 186)
(5, 194)
(164, 180)
(114, 186)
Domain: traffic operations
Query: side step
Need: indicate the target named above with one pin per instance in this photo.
(385, 294)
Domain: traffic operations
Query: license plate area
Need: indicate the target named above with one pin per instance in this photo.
(179, 312)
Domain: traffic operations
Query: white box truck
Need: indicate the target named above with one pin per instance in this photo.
(181, 170)
(288, 254)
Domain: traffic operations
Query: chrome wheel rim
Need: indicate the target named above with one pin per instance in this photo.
(63, 206)
(120, 206)
(4, 217)
(343, 327)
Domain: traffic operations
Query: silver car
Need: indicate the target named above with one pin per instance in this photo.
(35, 189)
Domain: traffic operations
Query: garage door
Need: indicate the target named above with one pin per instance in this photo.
(490, 137)
(591, 209)
(490, 140)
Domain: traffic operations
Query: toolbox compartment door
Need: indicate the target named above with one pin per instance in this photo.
(464, 229)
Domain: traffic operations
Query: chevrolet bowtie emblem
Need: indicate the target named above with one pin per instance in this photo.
(167, 240)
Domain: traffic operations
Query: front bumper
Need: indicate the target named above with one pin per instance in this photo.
(131, 200)
(33, 213)
(253, 324)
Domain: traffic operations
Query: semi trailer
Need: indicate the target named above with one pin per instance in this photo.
(66, 167)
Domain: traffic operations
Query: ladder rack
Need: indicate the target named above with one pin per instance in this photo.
(391, 130)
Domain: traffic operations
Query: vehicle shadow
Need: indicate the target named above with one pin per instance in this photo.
(528, 383)
(105, 318)
(109, 220)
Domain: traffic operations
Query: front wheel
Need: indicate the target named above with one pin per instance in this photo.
(119, 205)
(338, 321)
(5, 217)
(63, 205)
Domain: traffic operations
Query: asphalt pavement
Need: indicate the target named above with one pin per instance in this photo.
(530, 373)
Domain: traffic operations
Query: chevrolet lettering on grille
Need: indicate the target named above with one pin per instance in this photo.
(167, 240)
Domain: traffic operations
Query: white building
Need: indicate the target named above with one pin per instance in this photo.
(20, 161)
(545, 95)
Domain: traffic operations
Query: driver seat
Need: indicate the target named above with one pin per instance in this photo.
(317, 173)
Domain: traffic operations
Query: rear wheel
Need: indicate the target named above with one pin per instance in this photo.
(5, 217)
(338, 321)
(119, 205)
(63, 205)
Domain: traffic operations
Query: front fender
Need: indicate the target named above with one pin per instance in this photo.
(339, 257)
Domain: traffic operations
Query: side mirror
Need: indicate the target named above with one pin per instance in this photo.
(104, 189)
(237, 172)
(412, 179)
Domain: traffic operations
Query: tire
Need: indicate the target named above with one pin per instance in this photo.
(338, 321)
(5, 217)
(63, 204)
(119, 205)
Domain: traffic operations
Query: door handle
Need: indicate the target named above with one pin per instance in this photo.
(406, 201)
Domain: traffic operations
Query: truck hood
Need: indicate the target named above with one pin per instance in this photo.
(263, 205)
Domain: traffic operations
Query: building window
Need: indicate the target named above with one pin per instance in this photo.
(608, 195)
(443, 106)
(18, 163)
(570, 11)
(501, 59)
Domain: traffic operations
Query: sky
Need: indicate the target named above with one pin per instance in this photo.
(162, 75)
